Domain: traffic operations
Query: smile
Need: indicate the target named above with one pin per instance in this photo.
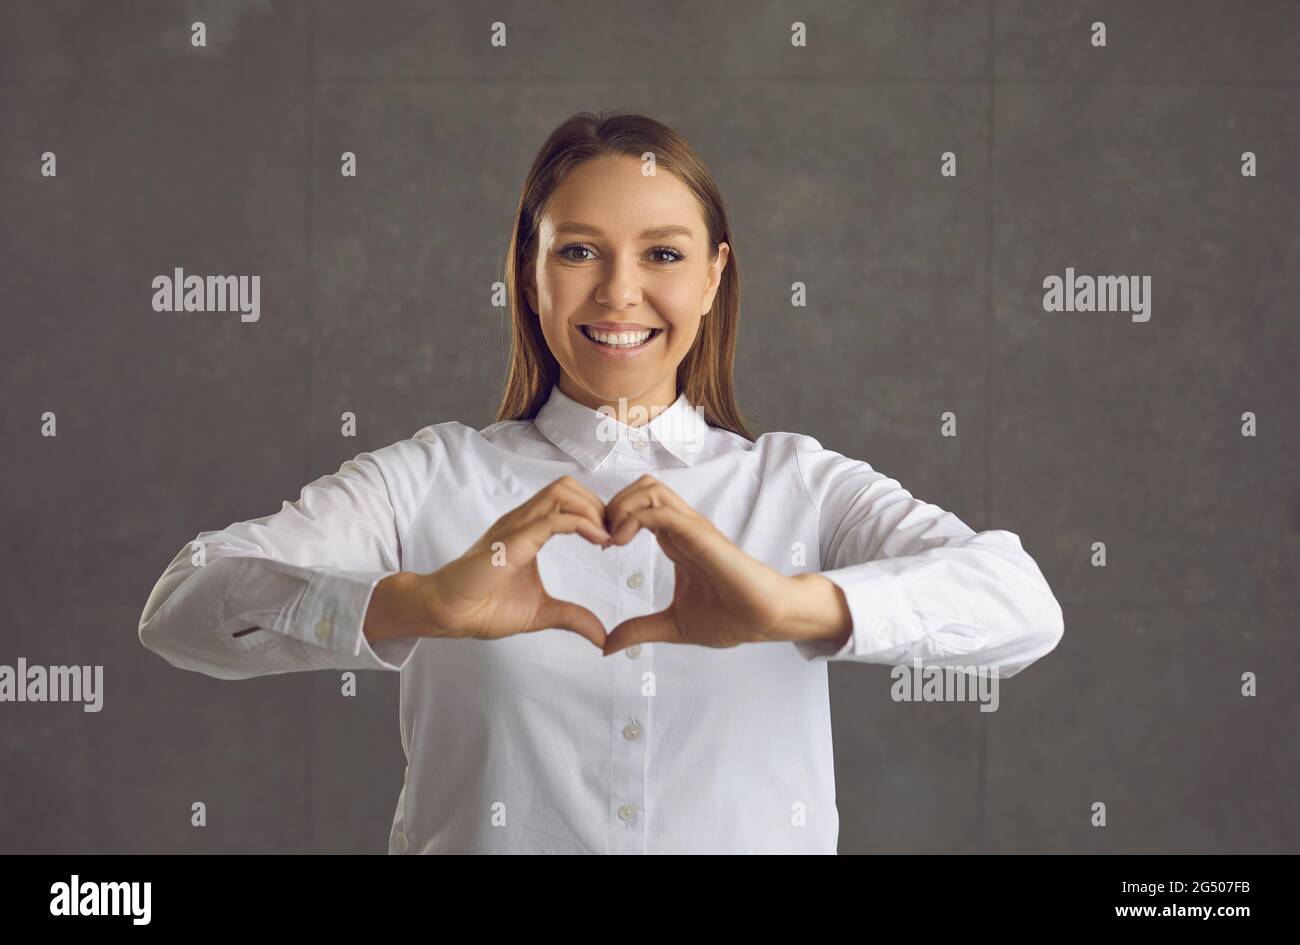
(620, 345)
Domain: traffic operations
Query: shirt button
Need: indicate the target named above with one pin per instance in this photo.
(882, 630)
(633, 651)
(626, 813)
(324, 629)
(639, 443)
(635, 579)
(401, 842)
(631, 731)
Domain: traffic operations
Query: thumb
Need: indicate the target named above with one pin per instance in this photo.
(659, 627)
(565, 615)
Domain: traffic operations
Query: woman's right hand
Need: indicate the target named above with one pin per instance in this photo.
(494, 589)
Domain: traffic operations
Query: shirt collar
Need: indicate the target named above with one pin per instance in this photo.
(589, 435)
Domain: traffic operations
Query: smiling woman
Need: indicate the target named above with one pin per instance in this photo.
(621, 231)
(617, 505)
(651, 297)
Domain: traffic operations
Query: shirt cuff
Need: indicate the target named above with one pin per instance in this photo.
(330, 618)
(883, 620)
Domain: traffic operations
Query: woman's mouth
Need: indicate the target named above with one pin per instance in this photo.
(620, 345)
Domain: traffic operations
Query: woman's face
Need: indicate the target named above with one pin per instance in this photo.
(625, 253)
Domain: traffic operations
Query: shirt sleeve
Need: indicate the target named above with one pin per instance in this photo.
(920, 583)
(287, 592)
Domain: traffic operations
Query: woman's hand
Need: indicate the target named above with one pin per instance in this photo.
(721, 595)
(494, 589)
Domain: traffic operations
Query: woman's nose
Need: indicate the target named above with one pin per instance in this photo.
(621, 286)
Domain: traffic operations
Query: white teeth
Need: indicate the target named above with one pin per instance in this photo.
(617, 339)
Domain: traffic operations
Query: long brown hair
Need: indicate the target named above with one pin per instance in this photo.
(704, 375)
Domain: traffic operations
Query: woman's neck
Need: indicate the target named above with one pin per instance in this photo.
(634, 411)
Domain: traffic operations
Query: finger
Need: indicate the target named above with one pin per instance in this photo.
(565, 615)
(578, 487)
(632, 520)
(647, 491)
(648, 481)
(661, 520)
(536, 533)
(544, 501)
(683, 538)
(634, 486)
(652, 628)
(575, 497)
(566, 494)
(561, 499)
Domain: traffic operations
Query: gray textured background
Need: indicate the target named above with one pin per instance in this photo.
(925, 296)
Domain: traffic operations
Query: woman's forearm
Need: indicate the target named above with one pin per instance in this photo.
(817, 610)
(396, 608)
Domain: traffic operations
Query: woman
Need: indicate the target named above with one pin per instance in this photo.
(694, 581)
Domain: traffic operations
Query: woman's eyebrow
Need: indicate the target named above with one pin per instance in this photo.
(653, 233)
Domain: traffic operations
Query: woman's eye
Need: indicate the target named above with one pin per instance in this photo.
(658, 253)
(564, 252)
(674, 256)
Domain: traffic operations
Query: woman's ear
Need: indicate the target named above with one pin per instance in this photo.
(716, 265)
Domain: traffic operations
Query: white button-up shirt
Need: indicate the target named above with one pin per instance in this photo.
(538, 742)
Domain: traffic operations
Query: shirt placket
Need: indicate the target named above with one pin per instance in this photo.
(629, 722)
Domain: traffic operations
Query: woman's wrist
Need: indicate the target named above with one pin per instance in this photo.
(816, 610)
(396, 608)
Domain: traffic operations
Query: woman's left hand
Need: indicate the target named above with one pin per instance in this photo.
(722, 596)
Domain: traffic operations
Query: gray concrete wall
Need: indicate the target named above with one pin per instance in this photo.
(925, 296)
